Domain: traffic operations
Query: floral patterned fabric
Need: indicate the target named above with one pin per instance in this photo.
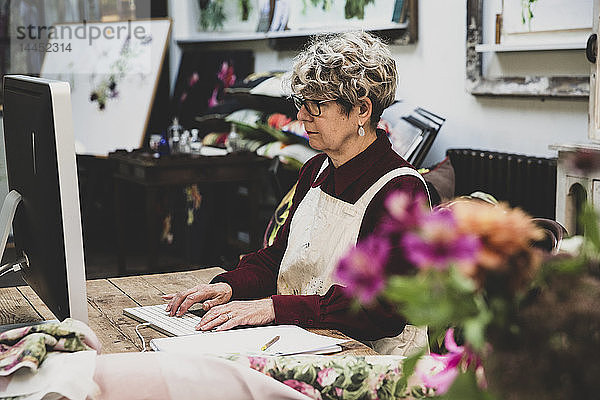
(28, 346)
(336, 377)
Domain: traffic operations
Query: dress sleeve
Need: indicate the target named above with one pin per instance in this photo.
(335, 309)
(255, 276)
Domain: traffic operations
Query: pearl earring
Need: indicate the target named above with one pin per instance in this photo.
(361, 130)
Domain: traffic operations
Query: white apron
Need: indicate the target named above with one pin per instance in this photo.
(322, 230)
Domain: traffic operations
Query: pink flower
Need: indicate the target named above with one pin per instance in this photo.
(213, 101)
(226, 75)
(194, 79)
(438, 244)
(258, 363)
(441, 374)
(405, 211)
(361, 271)
(327, 376)
(374, 382)
(433, 373)
(278, 120)
(303, 388)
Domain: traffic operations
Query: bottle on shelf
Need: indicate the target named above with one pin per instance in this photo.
(174, 136)
(184, 142)
(231, 143)
(195, 142)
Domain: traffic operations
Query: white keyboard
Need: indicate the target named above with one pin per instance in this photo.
(161, 321)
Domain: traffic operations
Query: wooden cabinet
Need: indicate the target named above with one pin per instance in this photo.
(187, 209)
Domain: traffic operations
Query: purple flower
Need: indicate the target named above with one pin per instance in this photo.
(441, 373)
(361, 271)
(405, 211)
(303, 388)
(438, 244)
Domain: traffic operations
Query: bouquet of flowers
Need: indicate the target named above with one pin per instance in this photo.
(471, 273)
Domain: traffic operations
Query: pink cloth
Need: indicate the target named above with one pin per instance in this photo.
(132, 376)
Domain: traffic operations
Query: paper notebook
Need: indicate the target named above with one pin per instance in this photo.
(292, 340)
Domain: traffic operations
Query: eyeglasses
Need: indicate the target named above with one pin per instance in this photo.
(312, 106)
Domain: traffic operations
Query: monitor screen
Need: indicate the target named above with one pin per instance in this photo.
(41, 167)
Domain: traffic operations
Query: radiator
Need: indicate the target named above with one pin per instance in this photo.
(522, 181)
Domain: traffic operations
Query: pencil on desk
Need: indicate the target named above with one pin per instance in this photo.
(269, 343)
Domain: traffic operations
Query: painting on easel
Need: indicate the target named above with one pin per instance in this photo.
(113, 70)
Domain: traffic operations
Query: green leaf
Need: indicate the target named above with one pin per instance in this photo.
(589, 221)
(474, 331)
(433, 299)
(462, 282)
(465, 387)
(408, 369)
(474, 328)
(307, 374)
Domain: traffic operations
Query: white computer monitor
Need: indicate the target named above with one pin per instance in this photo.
(44, 193)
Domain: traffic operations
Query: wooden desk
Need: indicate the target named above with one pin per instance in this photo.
(233, 181)
(108, 297)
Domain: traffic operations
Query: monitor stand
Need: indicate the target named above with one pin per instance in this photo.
(9, 207)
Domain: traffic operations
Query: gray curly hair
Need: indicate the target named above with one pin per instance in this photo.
(347, 67)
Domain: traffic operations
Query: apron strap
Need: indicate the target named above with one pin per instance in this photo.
(323, 166)
(376, 187)
(381, 182)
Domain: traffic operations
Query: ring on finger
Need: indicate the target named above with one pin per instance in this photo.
(228, 315)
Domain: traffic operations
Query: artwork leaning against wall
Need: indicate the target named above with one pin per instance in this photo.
(527, 48)
(25, 26)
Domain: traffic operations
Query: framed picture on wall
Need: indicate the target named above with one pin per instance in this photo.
(537, 21)
(549, 36)
(202, 79)
(340, 14)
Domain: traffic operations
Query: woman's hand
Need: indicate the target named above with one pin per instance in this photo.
(227, 316)
(210, 294)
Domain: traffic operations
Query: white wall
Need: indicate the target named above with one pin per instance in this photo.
(432, 75)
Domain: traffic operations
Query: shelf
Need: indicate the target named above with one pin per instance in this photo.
(396, 33)
(507, 48)
(201, 37)
(573, 147)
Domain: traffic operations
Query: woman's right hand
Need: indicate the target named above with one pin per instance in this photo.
(209, 294)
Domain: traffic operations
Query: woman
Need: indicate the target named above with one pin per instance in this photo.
(342, 84)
